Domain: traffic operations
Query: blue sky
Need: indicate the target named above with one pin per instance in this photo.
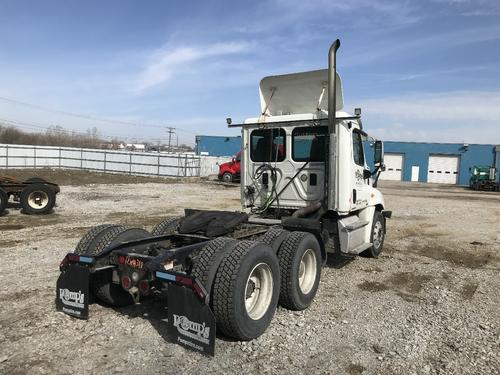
(421, 70)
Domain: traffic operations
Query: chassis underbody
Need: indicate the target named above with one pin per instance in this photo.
(156, 265)
(218, 270)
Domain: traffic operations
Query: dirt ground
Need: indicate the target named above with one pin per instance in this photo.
(77, 177)
(429, 304)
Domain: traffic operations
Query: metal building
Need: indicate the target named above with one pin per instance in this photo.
(217, 145)
(447, 163)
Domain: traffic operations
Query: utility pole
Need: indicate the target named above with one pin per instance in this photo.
(170, 131)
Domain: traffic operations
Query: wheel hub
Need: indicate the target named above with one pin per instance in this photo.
(250, 289)
(38, 200)
(307, 271)
(378, 234)
(258, 291)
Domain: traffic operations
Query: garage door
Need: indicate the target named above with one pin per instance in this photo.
(443, 169)
(393, 167)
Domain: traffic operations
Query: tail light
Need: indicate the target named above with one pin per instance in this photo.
(75, 258)
(144, 287)
(126, 282)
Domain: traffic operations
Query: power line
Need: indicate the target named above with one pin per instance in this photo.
(170, 131)
(32, 125)
(37, 126)
(82, 116)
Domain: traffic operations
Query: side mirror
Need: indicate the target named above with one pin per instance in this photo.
(366, 174)
(378, 158)
(233, 160)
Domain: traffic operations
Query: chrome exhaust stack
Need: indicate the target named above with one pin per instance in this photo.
(330, 190)
(332, 85)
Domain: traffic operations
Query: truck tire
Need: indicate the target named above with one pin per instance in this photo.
(37, 199)
(4, 198)
(274, 237)
(300, 268)
(246, 290)
(166, 226)
(206, 261)
(87, 243)
(377, 236)
(33, 180)
(116, 235)
(227, 177)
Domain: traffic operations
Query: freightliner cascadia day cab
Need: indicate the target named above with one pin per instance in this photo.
(307, 194)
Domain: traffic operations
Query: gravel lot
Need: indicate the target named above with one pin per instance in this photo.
(429, 304)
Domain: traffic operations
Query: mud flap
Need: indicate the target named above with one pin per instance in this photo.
(191, 323)
(72, 291)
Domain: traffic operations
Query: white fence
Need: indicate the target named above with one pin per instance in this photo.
(123, 162)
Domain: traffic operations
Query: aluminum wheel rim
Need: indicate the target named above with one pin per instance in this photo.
(378, 234)
(38, 200)
(226, 177)
(259, 291)
(307, 271)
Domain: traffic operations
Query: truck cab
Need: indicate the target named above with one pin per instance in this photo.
(230, 171)
(296, 165)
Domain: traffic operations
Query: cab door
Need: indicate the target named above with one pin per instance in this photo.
(308, 153)
(360, 185)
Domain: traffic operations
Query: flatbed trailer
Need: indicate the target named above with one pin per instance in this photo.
(35, 195)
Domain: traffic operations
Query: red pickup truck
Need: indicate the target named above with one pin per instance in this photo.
(230, 171)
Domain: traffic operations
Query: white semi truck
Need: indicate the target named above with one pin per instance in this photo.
(307, 194)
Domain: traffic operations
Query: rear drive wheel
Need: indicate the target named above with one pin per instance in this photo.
(300, 265)
(38, 199)
(246, 290)
(274, 237)
(4, 198)
(377, 236)
(87, 243)
(227, 177)
(166, 226)
(207, 259)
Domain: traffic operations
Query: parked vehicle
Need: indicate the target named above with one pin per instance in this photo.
(230, 171)
(35, 195)
(307, 194)
(483, 178)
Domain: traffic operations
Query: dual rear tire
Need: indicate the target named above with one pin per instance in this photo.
(243, 280)
(247, 279)
(300, 265)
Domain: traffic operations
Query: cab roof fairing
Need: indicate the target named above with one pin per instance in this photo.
(298, 93)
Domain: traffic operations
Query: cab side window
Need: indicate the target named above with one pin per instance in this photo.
(357, 148)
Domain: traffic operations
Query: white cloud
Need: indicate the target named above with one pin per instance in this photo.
(423, 45)
(473, 7)
(167, 61)
(470, 116)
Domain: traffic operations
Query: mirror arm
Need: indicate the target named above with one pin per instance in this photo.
(377, 171)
